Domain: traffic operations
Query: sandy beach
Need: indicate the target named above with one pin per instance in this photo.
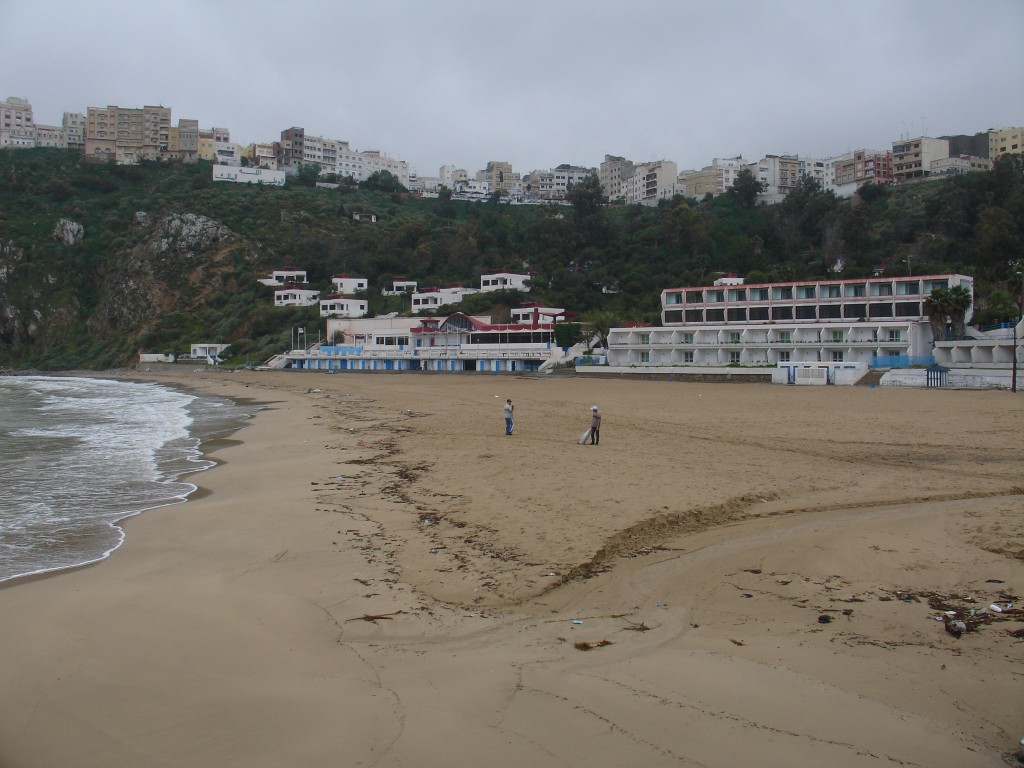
(375, 575)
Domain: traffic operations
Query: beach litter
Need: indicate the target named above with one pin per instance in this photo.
(961, 614)
(583, 646)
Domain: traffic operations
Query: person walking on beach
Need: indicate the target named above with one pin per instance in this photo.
(509, 422)
(595, 425)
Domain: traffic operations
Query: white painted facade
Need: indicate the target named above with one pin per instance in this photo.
(349, 284)
(340, 305)
(399, 287)
(241, 175)
(651, 182)
(433, 298)
(285, 275)
(504, 281)
(207, 351)
(827, 321)
(294, 296)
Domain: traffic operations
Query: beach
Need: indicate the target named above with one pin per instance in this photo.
(376, 575)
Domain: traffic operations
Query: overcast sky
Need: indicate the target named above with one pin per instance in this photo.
(534, 82)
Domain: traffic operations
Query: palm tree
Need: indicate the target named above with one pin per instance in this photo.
(596, 325)
(959, 302)
(938, 306)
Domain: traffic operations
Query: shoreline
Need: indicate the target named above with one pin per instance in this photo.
(373, 563)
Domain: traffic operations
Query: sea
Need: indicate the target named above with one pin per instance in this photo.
(78, 455)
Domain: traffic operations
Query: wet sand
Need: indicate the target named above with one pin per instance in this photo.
(377, 575)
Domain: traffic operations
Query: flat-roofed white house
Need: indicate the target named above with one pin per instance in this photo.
(348, 283)
(285, 275)
(432, 298)
(295, 296)
(208, 352)
(400, 286)
(876, 322)
(534, 312)
(339, 305)
(503, 281)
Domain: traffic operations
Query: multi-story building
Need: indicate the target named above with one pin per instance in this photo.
(913, 158)
(846, 173)
(74, 130)
(127, 135)
(651, 182)
(714, 179)
(452, 177)
(819, 321)
(503, 281)
(498, 175)
(553, 184)
(375, 161)
(780, 175)
(612, 174)
(51, 136)
(260, 156)
(953, 166)
(1005, 141)
(17, 126)
(183, 141)
(349, 284)
(291, 150)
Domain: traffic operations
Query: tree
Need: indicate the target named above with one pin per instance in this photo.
(959, 302)
(309, 175)
(586, 197)
(596, 326)
(382, 181)
(938, 306)
(746, 188)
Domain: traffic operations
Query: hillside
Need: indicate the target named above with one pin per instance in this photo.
(98, 261)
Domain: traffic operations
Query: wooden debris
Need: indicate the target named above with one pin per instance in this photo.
(582, 646)
(374, 617)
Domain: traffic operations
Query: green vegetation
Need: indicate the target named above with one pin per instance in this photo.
(131, 283)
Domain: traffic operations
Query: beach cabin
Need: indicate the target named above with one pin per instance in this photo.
(211, 353)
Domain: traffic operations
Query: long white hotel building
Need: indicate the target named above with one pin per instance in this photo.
(768, 324)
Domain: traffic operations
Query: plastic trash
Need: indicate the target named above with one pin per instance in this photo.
(995, 607)
(576, 621)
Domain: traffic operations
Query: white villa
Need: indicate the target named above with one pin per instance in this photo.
(285, 275)
(348, 284)
(400, 286)
(340, 305)
(432, 298)
(208, 352)
(853, 323)
(295, 296)
(503, 281)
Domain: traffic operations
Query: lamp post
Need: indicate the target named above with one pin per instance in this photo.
(1020, 319)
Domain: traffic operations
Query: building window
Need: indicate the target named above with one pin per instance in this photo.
(894, 336)
(786, 337)
(734, 357)
(837, 336)
(734, 337)
(645, 357)
(837, 356)
(645, 338)
(784, 356)
(687, 357)
(687, 338)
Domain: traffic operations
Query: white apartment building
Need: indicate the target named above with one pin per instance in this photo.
(779, 174)
(913, 158)
(399, 286)
(954, 166)
(651, 182)
(74, 130)
(375, 161)
(51, 136)
(846, 173)
(553, 184)
(820, 321)
(17, 126)
(613, 174)
(452, 177)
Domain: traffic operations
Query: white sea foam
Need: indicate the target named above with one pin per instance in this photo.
(79, 454)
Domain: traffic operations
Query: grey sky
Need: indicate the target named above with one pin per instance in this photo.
(534, 82)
